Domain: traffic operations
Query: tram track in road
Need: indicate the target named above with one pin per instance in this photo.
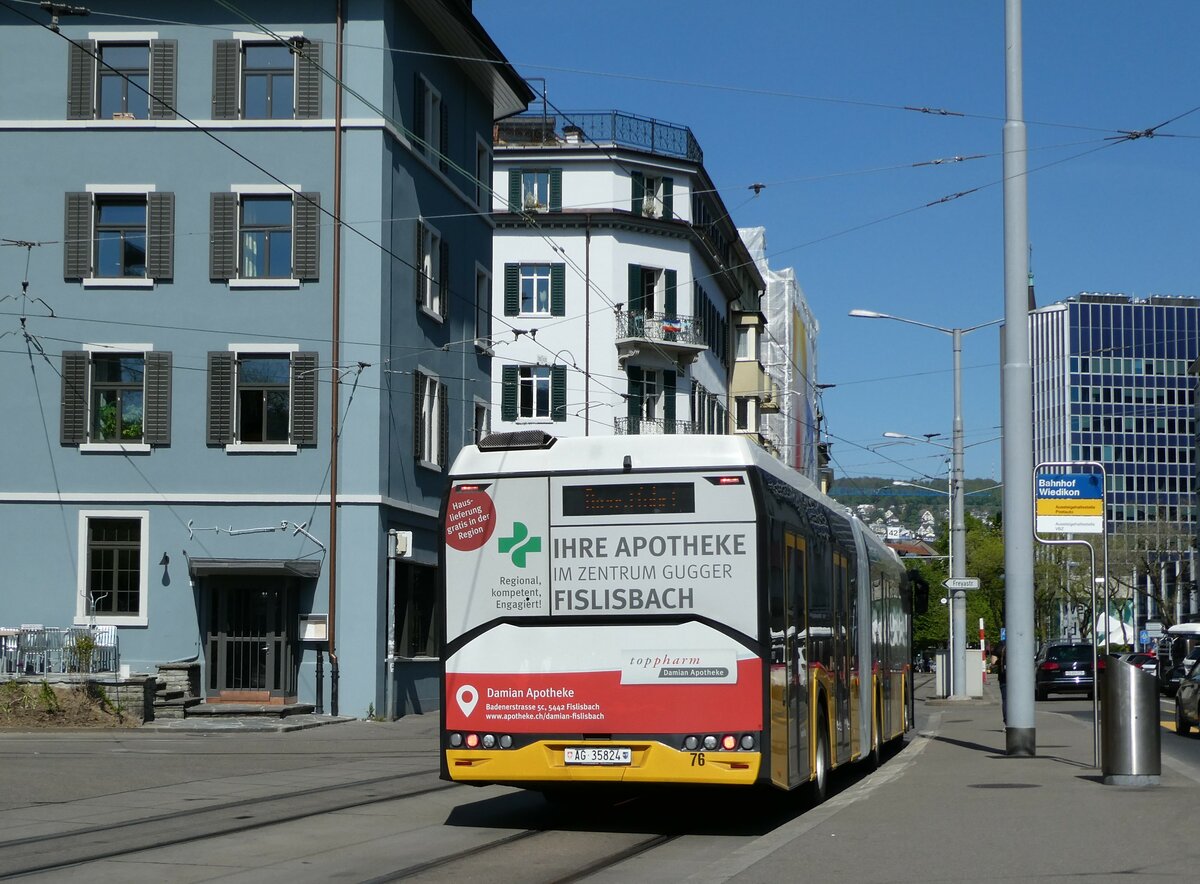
(62, 850)
(541, 856)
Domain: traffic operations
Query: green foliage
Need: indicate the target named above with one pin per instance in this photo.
(47, 698)
(85, 649)
(985, 560)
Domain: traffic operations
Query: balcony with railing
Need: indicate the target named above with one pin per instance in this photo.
(575, 129)
(675, 338)
(649, 426)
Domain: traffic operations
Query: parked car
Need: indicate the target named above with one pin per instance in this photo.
(1065, 669)
(1170, 684)
(1187, 701)
(1145, 662)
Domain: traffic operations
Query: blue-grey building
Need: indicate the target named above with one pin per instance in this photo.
(242, 251)
(1111, 385)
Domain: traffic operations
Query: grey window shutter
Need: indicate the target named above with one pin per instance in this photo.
(77, 236)
(443, 145)
(669, 401)
(558, 290)
(163, 66)
(419, 264)
(514, 190)
(509, 380)
(227, 62)
(670, 298)
(418, 415)
(668, 191)
(220, 397)
(160, 224)
(443, 278)
(512, 289)
(308, 81)
(558, 392)
(418, 126)
(156, 426)
(222, 249)
(444, 424)
(634, 399)
(638, 180)
(556, 190)
(636, 295)
(74, 422)
(304, 398)
(81, 80)
(306, 261)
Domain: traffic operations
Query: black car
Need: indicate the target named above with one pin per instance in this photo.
(1064, 669)
(1187, 701)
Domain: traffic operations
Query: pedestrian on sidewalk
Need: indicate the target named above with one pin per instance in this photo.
(1002, 677)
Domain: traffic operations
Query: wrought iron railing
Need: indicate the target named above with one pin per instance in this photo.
(604, 128)
(667, 327)
(647, 426)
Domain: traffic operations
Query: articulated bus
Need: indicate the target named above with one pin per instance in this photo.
(641, 610)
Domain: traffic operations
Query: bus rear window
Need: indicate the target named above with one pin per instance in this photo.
(633, 499)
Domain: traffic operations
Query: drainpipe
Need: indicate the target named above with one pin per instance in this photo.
(335, 334)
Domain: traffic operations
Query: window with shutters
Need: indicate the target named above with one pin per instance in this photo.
(130, 77)
(535, 290)
(652, 195)
(535, 190)
(119, 236)
(113, 566)
(262, 397)
(431, 421)
(266, 236)
(255, 79)
(116, 398)
(533, 393)
(432, 270)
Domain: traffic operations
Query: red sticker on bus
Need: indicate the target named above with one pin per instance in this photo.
(470, 520)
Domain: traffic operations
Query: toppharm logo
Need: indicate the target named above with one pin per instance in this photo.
(520, 544)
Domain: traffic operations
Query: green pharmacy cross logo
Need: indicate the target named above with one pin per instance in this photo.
(520, 544)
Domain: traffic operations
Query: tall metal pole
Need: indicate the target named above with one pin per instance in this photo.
(1017, 411)
(958, 531)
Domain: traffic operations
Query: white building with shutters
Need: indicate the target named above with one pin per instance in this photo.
(623, 299)
(236, 360)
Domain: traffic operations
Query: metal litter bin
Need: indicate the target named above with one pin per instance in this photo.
(1131, 750)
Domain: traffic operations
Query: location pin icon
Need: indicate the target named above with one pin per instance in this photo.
(467, 697)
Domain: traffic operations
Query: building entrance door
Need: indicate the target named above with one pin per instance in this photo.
(251, 643)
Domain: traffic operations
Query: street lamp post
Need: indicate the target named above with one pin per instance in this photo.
(958, 531)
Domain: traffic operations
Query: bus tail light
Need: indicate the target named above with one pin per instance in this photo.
(710, 742)
(472, 741)
(456, 741)
(729, 742)
(489, 741)
(691, 744)
(748, 741)
(506, 741)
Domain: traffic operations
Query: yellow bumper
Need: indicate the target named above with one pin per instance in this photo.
(653, 762)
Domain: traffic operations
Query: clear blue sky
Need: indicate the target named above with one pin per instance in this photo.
(804, 96)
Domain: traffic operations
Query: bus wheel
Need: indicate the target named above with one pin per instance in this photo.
(819, 786)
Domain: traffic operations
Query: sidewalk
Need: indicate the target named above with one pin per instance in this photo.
(953, 807)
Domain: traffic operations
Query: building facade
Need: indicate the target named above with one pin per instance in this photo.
(624, 301)
(790, 359)
(1111, 386)
(247, 248)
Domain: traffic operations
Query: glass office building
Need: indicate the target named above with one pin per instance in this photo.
(1112, 384)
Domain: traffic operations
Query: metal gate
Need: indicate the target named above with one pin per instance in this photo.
(251, 642)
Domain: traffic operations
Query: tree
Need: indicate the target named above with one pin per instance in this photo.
(1142, 559)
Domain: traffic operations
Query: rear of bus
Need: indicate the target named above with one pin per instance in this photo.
(600, 608)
